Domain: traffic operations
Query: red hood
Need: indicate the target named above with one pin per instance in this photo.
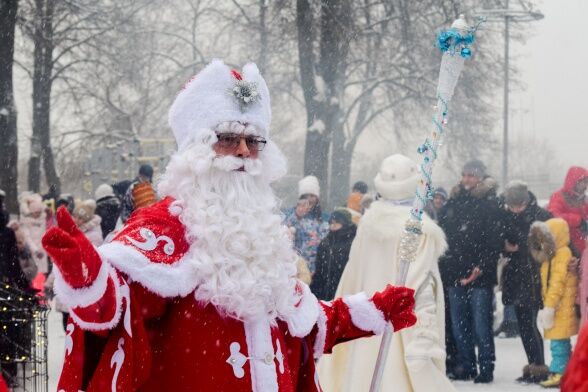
(575, 174)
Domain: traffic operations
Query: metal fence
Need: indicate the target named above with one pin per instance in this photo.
(23, 340)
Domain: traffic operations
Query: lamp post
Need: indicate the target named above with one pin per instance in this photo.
(522, 12)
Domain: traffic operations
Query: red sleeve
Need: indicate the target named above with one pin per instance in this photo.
(558, 207)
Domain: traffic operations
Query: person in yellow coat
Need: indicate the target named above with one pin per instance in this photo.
(549, 244)
(416, 360)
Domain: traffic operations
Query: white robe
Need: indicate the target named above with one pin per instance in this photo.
(416, 360)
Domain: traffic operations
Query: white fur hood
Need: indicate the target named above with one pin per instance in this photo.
(385, 221)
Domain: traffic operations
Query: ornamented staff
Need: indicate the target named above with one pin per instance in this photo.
(455, 45)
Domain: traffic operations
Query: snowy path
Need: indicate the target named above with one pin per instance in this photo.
(510, 359)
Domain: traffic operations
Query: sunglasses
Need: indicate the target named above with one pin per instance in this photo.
(232, 141)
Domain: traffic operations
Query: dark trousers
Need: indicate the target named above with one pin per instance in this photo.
(471, 316)
(532, 340)
(450, 346)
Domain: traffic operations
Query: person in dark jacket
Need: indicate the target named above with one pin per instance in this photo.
(471, 222)
(107, 208)
(15, 337)
(521, 283)
(333, 254)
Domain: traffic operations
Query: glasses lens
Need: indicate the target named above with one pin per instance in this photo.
(255, 143)
(252, 143)
(228, 140)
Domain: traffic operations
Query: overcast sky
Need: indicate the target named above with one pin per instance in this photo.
(554, 65)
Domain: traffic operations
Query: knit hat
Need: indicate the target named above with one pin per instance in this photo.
(146, 171)
(104, 190)
(309, 185)
(341, 216)
(398, 178)
(218, 94)
(84, 210)
(475, 167)
(440, 191)
(516, 193)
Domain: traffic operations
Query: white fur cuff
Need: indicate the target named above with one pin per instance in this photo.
(321, 336)
(364, 313)
(92, 326)
(84, 296)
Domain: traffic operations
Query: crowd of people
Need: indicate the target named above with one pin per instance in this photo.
(214, 232)
(504, 242)
(495, 242)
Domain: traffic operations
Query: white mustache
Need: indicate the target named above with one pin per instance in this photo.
(230, 163)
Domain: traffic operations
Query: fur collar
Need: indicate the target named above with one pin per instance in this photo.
(487, 186)
(384, 221)
(541, 242)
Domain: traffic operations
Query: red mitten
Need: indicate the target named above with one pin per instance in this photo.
(72, 253)
(397, 304)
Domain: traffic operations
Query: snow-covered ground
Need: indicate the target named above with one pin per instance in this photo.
(510, 359)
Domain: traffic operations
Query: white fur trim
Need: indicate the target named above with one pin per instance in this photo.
(364, 313)
(84, 296)
(321, 336)
(88, 326)
(206, 101)
(178, 279)
(304, 316)
(258, 335)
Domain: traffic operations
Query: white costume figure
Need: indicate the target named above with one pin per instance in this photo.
(416, 360)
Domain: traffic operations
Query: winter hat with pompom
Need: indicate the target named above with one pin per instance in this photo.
(309, 185)
(398, 178)
(218, 94)
(84, 210)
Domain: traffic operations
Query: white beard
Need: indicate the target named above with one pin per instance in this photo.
(239, 247)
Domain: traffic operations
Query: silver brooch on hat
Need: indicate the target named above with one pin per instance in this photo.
(245, 92)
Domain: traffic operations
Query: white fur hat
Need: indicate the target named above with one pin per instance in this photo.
(309, 185)
(398, 178)
(218, 94)
(103, 190)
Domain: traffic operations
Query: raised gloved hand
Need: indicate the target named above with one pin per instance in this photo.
(72, 253)
(546, 317)
(397, 304)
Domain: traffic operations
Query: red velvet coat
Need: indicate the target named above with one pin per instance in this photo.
(149, 333)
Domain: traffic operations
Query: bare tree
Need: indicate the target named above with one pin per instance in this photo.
(57, 30)
(8, 131)
(374, 59)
